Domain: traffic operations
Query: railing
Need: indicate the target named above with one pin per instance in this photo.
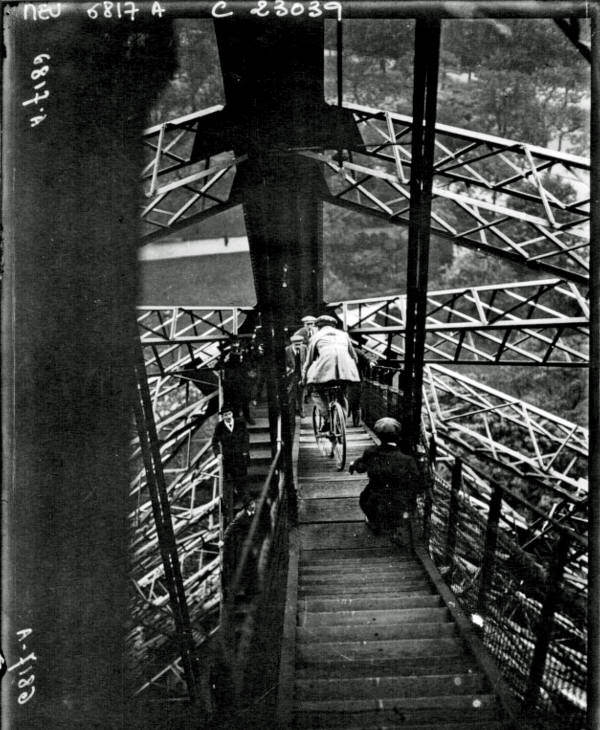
(254, 570)
(518, 569)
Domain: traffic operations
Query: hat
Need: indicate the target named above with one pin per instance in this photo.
(309, 319)
(225, 408)
(388, 429)
(326, 319)
(296, 338)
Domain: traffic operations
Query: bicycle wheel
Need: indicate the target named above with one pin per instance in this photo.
(322, 439)
(338, 435)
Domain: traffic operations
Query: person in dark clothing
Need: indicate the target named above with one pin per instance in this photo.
(236, 383)
(394, 481)
(295, 354)
(231, 443)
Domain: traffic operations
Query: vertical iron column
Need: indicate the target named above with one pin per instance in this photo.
(427, 47)
(593, 689)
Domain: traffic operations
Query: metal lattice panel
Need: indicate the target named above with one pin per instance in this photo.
(543, 446)
(177, 189)
(521, 202)
(514, 200)
(178, 343)
(524, 323)
(175, 336)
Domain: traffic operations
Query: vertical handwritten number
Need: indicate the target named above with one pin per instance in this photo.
(297, 9)
(107, 9)
(39, 72)
(22, 683)
(36, 62)
(92, 12)
(25, 697)
(261, 10)
(280, 8)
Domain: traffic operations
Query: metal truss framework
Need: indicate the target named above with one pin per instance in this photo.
(178, 343)
(522, 323)
(520, 202)
(539, 446)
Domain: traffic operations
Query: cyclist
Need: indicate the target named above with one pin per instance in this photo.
(330, 360)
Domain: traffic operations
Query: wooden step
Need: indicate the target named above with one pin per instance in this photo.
(397, 667)
(389, 686)
(374, 633)
(371, 602)
(261, 423)
(392, 649)
(477, 725)
(366, 616)
(371, 713)
(259, 437)
(344, 509)
(354, 589)
(321, 489)
(341, 535)
(394, 583)
(260, 455)
(314, 556)
(394, 574)
(373, 565)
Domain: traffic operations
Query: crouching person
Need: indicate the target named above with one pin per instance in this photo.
(389, 498)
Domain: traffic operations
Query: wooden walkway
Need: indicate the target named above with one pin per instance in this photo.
(372, 637)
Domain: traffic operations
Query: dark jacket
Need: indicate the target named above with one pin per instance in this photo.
(293, 365)
(390, 471)
(234, 445)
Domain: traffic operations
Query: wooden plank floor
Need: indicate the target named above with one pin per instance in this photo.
(372, 643)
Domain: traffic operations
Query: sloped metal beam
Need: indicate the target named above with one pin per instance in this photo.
(542, 322)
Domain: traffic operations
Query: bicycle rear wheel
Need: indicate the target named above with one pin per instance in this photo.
(322, 439)
(338, 435)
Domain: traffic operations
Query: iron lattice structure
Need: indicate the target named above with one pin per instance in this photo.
(542, 322)
(519, 202)
(181, 346)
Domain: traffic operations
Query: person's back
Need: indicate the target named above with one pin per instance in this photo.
(331, 357)
(330, 360)
(394, 478)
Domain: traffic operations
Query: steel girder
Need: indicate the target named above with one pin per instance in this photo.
(542, 322)
(523, 203)
(178, 190)
(500, 196)
(537, 445)
(174, 337)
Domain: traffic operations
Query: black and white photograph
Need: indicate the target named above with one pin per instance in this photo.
(300, 365)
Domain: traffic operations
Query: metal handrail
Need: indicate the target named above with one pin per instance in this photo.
(248, 541)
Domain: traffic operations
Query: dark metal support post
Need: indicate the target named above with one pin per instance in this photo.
(70, 225)
(453, 514)
(489, 551)
(593, 686)
(427, 47)
(546, 621)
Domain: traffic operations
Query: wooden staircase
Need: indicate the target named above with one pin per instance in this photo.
(369, 642)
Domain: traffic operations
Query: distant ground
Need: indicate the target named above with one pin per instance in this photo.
(221, 279)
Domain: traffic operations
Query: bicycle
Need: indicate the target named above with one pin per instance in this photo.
(332, 443)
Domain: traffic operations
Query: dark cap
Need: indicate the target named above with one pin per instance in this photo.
(326, 319)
